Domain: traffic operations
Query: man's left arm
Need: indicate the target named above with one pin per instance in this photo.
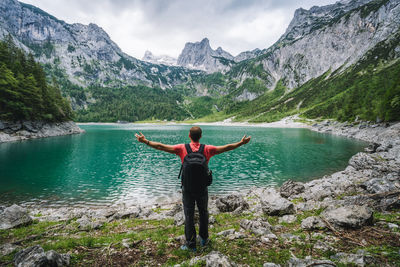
(156, 145)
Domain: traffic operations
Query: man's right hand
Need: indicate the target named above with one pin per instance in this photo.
(140, 137)
(245, 139)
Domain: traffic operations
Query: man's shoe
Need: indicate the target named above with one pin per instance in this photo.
(184, 247)
(204, 242)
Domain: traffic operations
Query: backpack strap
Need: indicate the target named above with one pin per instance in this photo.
(188, 149)
(201, 149)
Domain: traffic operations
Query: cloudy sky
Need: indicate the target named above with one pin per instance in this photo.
(164, 26)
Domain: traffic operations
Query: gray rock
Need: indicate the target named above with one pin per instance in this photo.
(258, 227)
(295, 262)
(213, 259)
(312, 223)
(7, 248)
(270, 264)
(179, 219)
(273, 204)
(212, 220)
(35, 256)
(29, 126)
(359, 259)
(372, 148)
(236, 235)
(15, 126)
(379, 185)
(175, 209)
(231, 203)
(290, 237)
(133, 212)
(323, 246)
(393, 226)
(2, 126)
(352, 216)
(87, 224)
(56, 259)
(268, 238)
(362, 161)
(226, 232)
(291, 188)
(288, 219)
(14, 216)
(29, 257)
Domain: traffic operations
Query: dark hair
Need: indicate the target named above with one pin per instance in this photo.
(195, 133)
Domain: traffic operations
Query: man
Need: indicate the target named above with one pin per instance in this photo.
(189, 198)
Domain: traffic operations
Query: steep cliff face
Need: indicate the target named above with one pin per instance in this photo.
(201, 56)
(85, 54)
(324, 38)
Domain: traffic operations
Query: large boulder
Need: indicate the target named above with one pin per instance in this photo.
(352, 216)
(291, 188)
(14, 216)
(231, 203)
(35, 256)
(273, 204)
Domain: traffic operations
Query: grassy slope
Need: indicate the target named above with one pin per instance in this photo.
(369, 89)
(154, 241)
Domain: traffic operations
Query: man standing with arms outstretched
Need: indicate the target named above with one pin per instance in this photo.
(189, 178)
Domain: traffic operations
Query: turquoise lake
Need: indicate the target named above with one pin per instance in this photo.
(106, 165)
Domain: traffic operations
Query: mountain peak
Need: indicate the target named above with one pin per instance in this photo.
(200, 55)
(163, 59)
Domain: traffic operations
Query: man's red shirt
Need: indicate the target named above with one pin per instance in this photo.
(209, 150)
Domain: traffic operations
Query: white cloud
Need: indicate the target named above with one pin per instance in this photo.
(164, 27)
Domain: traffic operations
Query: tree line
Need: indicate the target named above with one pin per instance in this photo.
(25, 93)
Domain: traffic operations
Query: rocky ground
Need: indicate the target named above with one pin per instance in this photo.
(349, 218)
(16, 131)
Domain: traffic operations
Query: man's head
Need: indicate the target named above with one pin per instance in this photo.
(195, 133)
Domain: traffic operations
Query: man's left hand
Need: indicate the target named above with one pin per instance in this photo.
(140, 137)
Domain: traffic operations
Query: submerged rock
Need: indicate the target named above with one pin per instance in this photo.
(231, 203)
(14, 216)
(352, 216)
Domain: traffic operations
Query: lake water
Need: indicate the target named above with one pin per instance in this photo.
(106, 165)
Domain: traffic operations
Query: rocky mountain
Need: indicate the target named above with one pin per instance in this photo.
(83, 54)
(317, 40)
(317, 67)
(201, 56)
(248, 55)
(162, 59)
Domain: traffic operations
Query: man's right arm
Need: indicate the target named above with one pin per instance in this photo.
(156, 145)
(228, 147)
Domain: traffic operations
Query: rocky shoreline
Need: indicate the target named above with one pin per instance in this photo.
(348, 218)
(17, 131)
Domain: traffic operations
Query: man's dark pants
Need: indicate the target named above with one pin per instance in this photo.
(189, 200)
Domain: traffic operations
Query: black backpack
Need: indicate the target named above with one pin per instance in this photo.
(194, 171)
